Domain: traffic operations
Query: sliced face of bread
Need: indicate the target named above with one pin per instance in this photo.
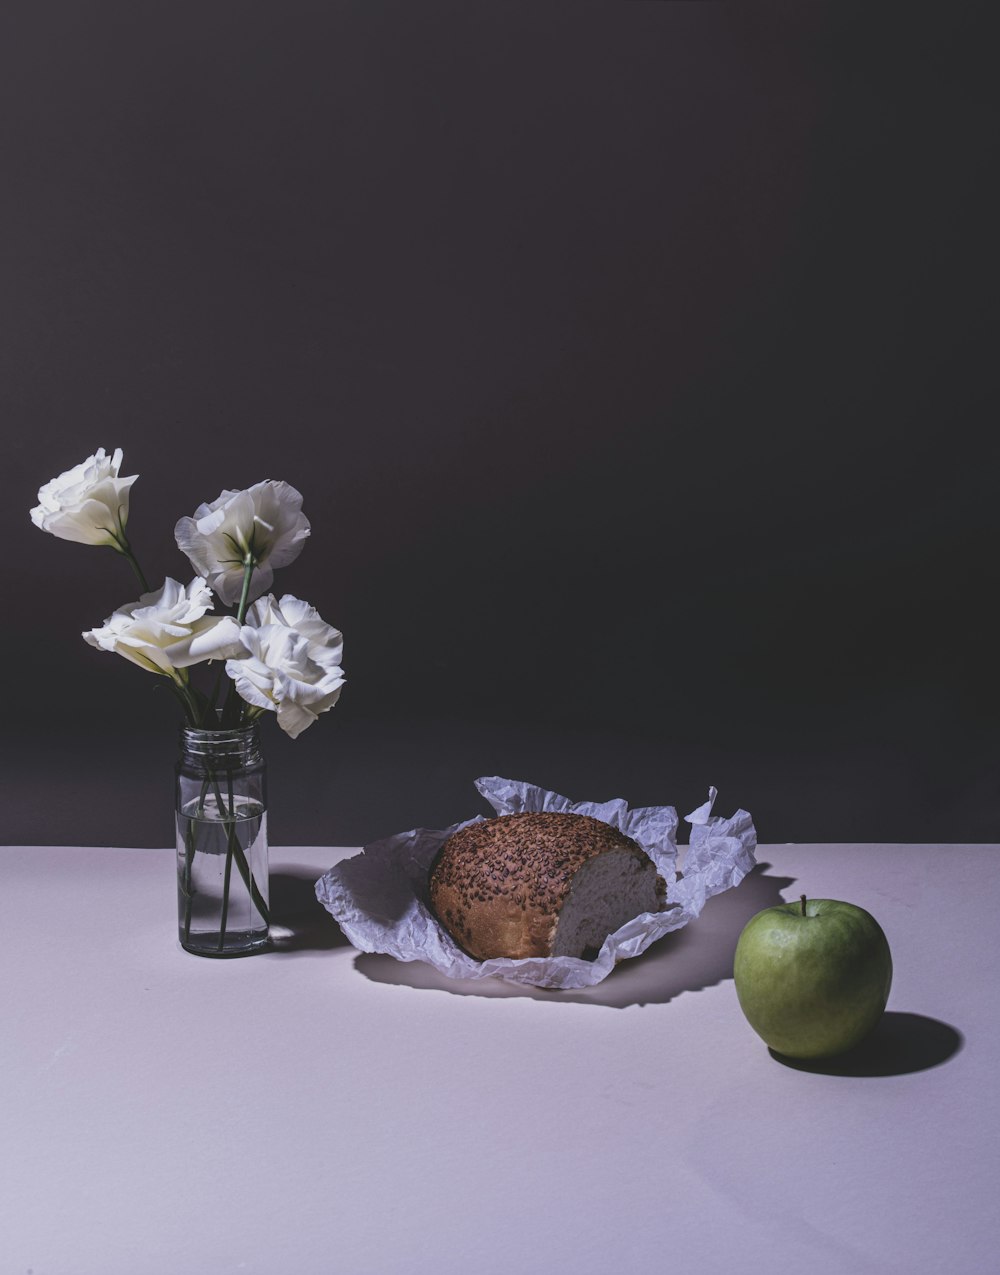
(605, 892)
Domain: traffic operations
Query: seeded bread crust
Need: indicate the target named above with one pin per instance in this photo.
(498, 886)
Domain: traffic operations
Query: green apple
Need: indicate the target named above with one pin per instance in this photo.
(812, 977)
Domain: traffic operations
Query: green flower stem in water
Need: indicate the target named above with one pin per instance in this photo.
(234, 849)
(230, 844)
(189, 848)
(188, 867)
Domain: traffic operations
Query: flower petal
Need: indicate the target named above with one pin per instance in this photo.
(86, 504)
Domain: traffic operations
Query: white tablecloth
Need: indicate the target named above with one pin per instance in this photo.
(315, 1110)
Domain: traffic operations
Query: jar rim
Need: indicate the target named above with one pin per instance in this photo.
(218, 735)
(236, 742)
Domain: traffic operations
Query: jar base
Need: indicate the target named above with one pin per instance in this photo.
(231, 945)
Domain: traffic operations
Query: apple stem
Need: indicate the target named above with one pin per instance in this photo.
(802, 900)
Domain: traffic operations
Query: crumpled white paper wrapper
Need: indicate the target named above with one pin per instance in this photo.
(381, 901)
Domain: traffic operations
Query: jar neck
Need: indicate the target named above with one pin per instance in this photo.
(237, 747)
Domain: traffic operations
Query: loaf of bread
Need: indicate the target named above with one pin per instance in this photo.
(540, 884)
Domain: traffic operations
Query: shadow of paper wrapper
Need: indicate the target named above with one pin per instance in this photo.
(380, 897)
(687, 960)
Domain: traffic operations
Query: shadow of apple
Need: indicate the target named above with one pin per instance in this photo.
(901, 1043)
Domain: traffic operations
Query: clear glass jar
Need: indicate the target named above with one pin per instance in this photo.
(222, 883)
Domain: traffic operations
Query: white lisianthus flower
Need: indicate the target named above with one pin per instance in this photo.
(168, 630)
(292, 666)
(88, 503)
(264, 525)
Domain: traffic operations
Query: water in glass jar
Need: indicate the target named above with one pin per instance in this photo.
(221, 847)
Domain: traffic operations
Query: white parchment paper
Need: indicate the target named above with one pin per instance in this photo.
(381, 901)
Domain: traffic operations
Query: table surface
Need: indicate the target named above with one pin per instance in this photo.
(315, 1109)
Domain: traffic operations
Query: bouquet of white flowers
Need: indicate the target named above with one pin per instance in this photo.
(279, 656)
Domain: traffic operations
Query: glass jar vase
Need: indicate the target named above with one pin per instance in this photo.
(222, 881)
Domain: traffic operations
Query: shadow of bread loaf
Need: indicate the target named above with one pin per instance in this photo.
(540, 883)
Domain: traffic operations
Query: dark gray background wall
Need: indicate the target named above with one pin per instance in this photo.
(633, 360)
